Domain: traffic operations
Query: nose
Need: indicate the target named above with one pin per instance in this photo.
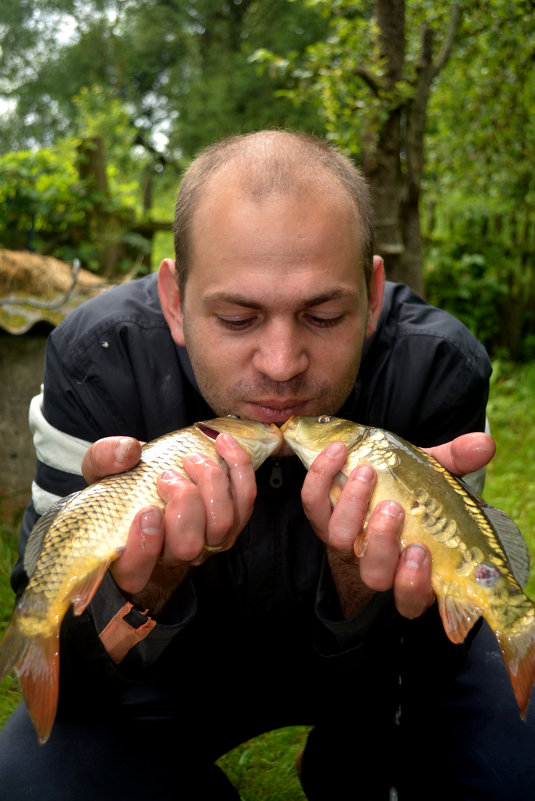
(280, 353)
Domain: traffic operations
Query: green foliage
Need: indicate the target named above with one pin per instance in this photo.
(39, 197)
(493, 296)
(10, 693)
(479, 211)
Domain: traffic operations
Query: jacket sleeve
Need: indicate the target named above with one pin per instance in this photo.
(131, 639)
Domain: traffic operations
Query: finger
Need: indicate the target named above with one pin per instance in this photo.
(465, 454)
(350, 511)
(212, 485)
(185, 519)
(109, 456)
(241, 477)
(379, 561)
(134, 567)
(317, 485)
(413, 593)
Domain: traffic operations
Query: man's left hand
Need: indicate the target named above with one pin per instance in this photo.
(381, 566)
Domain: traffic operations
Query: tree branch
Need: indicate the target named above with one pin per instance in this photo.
(372, 81)
(449, 39)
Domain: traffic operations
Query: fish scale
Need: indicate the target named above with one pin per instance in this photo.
(72, 545)
(479, 558)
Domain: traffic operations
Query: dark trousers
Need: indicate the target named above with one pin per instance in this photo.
(474, 747)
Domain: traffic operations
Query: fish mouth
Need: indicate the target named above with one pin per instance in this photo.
(209, 432)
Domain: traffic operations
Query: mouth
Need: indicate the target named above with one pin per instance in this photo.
(267, 411)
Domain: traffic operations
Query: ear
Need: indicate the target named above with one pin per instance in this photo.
(170, 299)
(376, 292)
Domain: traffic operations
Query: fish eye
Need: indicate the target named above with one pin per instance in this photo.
(325, 418)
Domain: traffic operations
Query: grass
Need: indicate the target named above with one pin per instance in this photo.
(264, 767)
(510, 483)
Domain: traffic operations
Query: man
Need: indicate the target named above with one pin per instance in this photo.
(242, 607)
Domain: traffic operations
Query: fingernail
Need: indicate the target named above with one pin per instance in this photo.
(415, 556)
(229, 440)
(196, 458)
(334, 450)
(364, 473)
(170, 475)
(121, 449)
(392, 509)
(151, 521)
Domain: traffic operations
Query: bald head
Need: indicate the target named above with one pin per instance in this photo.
(266, 163)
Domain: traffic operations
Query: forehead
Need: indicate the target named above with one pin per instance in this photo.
(304, 243)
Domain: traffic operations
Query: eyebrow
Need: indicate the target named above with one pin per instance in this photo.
(316, 300)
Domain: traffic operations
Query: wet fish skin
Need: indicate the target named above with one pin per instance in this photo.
(479, 558)
(73, 544)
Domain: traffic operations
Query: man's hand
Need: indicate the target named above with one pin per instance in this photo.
(199, 516)
(380, 566)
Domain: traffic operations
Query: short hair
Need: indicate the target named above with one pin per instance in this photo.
(269, 161)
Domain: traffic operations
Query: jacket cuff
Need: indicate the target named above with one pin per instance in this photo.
(336, 634)
(131, 637)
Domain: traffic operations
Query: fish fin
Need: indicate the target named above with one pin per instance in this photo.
(512, 541)
(519, 656)
(36, 663)
(83, 591)
(458, 617)
(508, 534)
(338, 485)
(34, 546)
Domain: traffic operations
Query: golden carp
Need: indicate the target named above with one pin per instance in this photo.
(72, 545)
(479, 558)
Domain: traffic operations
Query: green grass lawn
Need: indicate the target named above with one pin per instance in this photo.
(510, 483)
(264, 767)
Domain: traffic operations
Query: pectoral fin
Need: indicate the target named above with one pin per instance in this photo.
(458, 617)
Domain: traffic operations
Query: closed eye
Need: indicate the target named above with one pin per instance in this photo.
(323, 322)
(237, 323)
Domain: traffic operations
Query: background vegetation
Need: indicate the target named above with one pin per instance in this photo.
(434, 101)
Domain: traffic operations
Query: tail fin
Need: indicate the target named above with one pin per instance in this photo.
(36, 663)
(519, 655)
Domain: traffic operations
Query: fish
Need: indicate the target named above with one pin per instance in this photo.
(72, 545)
(480, 560)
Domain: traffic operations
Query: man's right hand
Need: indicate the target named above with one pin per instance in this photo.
(200, 515)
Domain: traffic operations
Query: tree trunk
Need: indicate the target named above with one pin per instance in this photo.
(103, 225)
(395, 166)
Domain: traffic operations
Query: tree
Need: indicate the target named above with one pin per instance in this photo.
(182, 67)
(372, 77)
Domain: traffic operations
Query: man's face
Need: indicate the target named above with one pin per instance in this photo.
(275, 310)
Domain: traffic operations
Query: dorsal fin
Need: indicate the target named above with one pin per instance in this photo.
(34, 545)
(508, 534)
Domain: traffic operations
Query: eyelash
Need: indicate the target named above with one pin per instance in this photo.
(325, 322)
(236, 325)
(316, 322)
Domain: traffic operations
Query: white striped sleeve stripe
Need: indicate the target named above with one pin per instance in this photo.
(42, 500)
(53, 447)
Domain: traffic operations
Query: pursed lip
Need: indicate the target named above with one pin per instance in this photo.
(275, 411)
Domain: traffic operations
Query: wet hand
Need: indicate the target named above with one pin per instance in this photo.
(373, 548)
(199, 516)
